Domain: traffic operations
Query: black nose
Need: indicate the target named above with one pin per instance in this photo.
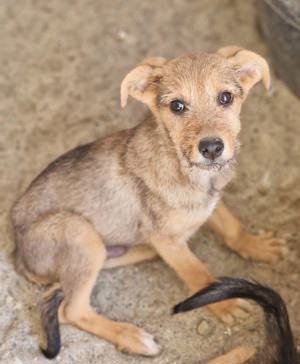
(211, 148)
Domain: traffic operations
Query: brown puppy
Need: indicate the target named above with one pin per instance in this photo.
(154, 184)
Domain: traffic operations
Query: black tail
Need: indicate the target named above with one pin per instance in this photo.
(279, 333)
(50, 305)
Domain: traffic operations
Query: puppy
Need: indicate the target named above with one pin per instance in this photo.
(280, 347)
(141, 192)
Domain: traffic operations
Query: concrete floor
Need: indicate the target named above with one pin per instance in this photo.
(61, 65)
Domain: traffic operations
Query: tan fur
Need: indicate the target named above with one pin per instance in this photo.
(238, 355)
(145, 185)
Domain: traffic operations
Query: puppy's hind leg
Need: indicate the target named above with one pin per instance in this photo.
(65, 249)
(79, 265)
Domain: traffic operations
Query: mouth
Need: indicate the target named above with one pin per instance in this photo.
(216, 165)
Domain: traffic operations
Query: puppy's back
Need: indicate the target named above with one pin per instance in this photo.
(87, 180)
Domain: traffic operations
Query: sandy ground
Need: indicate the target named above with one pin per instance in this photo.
(61, 65)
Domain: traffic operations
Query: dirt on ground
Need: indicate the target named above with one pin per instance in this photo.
(61, 65)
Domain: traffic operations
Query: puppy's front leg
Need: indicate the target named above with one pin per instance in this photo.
(263, 247)
(190, 270)
(188, 267)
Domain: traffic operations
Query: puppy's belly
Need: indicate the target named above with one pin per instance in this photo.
(119, 232)
(117, 224)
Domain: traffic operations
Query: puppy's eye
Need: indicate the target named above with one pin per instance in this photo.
(225, 98)
(177, 106)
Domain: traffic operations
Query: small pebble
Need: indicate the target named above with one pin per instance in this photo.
(228, 331)
(122, 34)
(205, 328)
(18, 306)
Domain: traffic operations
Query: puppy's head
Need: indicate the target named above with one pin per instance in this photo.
(197, 98)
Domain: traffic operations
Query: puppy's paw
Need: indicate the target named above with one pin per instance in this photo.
(229, 310)
(264, 247)
(238, 355)
(132, 339)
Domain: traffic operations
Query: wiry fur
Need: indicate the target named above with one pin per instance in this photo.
(280, 347)
(146, 185)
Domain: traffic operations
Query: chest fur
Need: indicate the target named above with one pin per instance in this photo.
(181, 212)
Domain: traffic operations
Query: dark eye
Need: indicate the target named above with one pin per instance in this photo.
(225, 98)
(177, 106)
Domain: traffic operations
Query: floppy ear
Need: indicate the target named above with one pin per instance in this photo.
(141, 82)
(251, 67)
